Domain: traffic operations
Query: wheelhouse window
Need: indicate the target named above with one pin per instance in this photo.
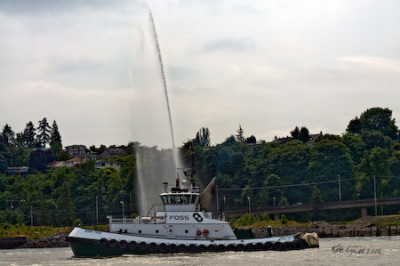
(166, 199)
(186, 199)
(179, 199)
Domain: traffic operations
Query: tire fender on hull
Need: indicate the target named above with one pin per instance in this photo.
(132, 245)
(113, 243)
(103, 242)
(123, 244)
(143, 246)
(163, 247)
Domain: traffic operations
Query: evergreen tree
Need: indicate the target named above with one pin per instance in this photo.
(55, 138)
(43, 136)
(3, 158)
(203, 137)
(295, 133)
(316, 201)
(20, 140)
(44, 213)
(30, 134)
(240, 135)
(65, 208)
(8, 136)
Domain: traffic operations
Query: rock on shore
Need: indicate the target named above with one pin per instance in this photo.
(53, 241)
(362, 227)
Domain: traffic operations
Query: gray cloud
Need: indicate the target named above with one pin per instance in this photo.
(29, 7)
(267, 65)
(230, 44)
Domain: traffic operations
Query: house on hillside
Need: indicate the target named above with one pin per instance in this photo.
(23, 170)
(75, 150)
(103, 164)
(76, 161)
(110, 152)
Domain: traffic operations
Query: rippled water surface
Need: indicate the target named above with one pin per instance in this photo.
(332, 251)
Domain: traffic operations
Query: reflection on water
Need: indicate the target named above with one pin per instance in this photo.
(332, 251)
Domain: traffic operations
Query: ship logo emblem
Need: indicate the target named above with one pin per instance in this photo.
(197, 217)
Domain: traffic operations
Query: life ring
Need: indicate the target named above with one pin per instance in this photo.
(103, 242)
(206, 232)
(132, 245)
(198, 232)
(123, 244)
(113, 243)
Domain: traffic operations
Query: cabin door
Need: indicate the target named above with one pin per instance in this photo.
(170, 232)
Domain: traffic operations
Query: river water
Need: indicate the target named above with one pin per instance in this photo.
(332, 251)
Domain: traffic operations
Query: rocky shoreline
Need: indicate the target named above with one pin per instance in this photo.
(363, 227)
(53, 241)
(332, 231)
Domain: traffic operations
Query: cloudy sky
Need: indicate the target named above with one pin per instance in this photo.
(268, 65)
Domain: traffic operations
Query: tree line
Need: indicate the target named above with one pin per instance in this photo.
(33, 137)
(302, 170)
(15, 148)
(63, 195)
(298, 170)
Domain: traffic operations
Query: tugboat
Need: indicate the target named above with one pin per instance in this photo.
(185, 225)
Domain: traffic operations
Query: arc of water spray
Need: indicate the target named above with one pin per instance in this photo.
(165, 87)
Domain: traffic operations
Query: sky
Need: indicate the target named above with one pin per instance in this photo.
(268, 66)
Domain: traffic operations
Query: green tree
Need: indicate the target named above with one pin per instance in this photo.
(8, 136)
(251, 140)
(295, 133)
(291, 161)
(3, 158)
(239, 136)
(30, 134)
(372, 139)
(330, 159)
(273, 192)
(203, 137)
(304, 135)
(354, 126)
(356, 146)
(45, 212)
(43, 136)
(65, 208)
(55, 138)
(316, 201)
(379, 119)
